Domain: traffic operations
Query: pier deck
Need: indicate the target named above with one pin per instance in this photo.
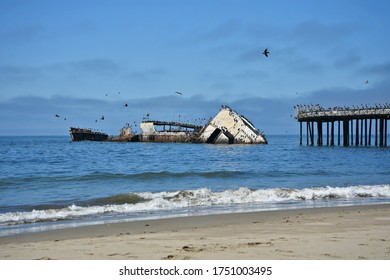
(364, 119)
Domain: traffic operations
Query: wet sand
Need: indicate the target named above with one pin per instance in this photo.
(349, 233)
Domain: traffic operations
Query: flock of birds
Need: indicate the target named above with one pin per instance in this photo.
(265, 52)
(299, 108)
(125, 105)
(317, 108)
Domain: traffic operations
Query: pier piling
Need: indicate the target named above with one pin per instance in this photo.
(346, 118)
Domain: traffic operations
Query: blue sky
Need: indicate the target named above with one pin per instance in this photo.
(84, 59)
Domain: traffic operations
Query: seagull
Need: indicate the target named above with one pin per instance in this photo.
(266, 52)
(177, 92)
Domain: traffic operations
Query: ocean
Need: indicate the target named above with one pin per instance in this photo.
(50, 182)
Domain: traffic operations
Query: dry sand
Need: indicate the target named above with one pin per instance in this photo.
(356, 232)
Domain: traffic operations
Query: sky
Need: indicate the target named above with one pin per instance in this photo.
(84, 59)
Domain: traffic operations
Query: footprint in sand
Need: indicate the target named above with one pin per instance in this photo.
(169, 257)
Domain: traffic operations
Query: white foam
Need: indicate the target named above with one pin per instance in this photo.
(189, 199)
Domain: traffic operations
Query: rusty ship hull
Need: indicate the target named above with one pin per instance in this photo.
(86, 134)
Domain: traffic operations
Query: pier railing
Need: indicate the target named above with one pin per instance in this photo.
(362, 118)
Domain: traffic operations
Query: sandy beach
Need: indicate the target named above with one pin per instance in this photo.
(352, 233)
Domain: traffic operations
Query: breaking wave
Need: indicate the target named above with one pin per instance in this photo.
(187, 200)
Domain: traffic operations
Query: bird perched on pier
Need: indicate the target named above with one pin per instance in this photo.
(266, 52)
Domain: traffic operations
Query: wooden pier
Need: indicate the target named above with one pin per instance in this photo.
(364, 126)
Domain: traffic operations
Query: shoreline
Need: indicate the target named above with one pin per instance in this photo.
(345, 232)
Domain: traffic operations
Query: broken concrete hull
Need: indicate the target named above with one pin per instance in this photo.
(228, 127)
(174, 137)
(86, 134)
(126, 135)
(170, 132)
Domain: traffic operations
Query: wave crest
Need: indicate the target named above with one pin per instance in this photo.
(148, 202)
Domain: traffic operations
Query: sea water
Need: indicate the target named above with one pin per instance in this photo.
(51, 182)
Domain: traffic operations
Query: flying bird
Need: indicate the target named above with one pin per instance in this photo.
(57, 116)
(179, 93)
(126, 105)
(266, 52)
(366, 81)
(102, 118)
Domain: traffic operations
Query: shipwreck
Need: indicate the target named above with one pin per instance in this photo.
(227, 127)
